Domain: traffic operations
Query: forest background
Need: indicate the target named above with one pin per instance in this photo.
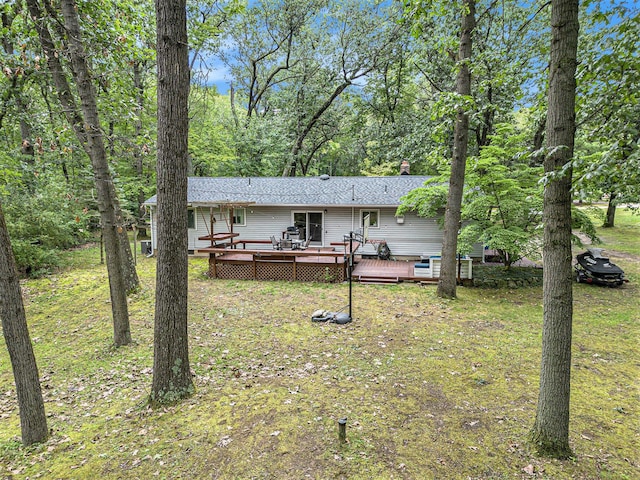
(314, 86)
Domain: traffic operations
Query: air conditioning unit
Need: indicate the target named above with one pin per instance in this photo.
(145, 247)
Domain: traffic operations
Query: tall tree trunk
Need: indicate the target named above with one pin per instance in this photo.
(16, 81)
(138, 156)
(79, 125)
(33, 421)
(452, 215)
(171, 372)
(111, 224)
(551, 428)
(610, 220)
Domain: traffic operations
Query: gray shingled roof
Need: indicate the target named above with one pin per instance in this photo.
(309, 191)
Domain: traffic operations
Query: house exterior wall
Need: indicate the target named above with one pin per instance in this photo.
(413, 237)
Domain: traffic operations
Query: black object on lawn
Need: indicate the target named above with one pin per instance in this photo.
(592, 267)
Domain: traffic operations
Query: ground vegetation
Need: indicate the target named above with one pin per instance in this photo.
(429, 387)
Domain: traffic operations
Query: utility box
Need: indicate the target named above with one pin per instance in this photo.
(145, 247)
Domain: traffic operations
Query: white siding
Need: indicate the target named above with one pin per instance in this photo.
(414, 237)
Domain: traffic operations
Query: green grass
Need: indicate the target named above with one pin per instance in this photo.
(431, 388)
(626, 234)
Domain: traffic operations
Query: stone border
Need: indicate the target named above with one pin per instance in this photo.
(497, 276)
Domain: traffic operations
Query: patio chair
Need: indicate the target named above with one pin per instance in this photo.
(305, 245)
(275, 243)
(286, 244)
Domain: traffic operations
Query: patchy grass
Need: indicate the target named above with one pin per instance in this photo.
(431, 388)
(625, 237)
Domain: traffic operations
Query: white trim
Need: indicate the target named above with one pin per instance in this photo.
(307, 230)
(244, 216)
(195, 218)
(369, 210)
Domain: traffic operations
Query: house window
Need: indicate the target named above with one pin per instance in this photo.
(373, 218)
(239, 216)
(191, 218)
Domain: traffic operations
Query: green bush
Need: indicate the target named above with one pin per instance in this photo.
(43, 221)
(34, 260)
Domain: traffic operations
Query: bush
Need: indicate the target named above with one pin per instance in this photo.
(43, 222)
(34, 260)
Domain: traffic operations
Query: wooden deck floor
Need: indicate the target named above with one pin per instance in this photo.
(385, 271)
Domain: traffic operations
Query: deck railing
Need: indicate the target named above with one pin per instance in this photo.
(311, 264)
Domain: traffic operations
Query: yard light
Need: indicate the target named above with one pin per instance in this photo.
(342, 430)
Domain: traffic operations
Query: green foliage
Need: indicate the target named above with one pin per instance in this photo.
(427, 201)
(502, 206)
(34, 260)
(608, 147)
(503, 200)
(582, 222)
(211, 144)
(43, 222)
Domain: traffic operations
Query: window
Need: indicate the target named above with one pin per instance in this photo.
(191, 218)
(239, 216)
(373, 218)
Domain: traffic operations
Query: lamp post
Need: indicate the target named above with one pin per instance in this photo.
(350, 271)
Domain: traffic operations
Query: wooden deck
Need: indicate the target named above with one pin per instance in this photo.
(386, 272)
(309, 265)
(312, 264)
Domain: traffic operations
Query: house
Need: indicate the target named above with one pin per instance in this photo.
(323, 208)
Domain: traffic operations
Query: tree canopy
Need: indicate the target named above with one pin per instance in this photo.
(345, 88)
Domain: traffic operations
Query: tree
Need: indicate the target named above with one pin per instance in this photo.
(503, 202)
(294, 63)
(448, 270)
(551, 429)
(33, 421)
(122, 276)
(171, 372)
(609, 108)
(16, 79)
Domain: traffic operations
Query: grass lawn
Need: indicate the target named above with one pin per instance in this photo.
(430, 388)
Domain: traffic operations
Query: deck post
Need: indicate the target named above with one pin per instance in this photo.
(350, 267)
(255, 269)
(295, 273)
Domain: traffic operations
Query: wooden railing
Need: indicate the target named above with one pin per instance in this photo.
(310, 264)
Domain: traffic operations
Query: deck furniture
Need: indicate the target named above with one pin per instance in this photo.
(305, 245)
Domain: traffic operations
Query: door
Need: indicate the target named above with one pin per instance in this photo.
(311, 225)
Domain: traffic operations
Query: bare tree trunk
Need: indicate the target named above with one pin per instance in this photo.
(33, 421)
(79, 124)
(111, 224)
(304, 130)
(610, 219)
(138, 155)
(452, 215)
(551, 428)
(171, 372)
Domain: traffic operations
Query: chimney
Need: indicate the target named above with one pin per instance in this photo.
(404, 168)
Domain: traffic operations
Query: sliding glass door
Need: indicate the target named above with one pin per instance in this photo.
(311, 225)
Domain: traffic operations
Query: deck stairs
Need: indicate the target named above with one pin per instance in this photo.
(378, 280)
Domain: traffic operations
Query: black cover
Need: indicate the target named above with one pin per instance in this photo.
(598, 265)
